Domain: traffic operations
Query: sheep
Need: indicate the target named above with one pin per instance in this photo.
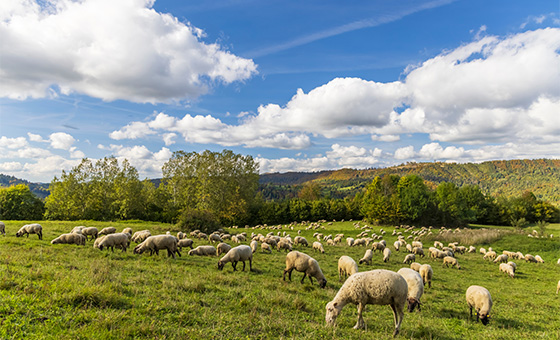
(90, 231)
(234, 255)
(215, 238)
(530, 258)
(306, 264)
(448, 260)
(157, 243)
(501, 259)
(185, 242)
(181, 235)
(482, 251)
(558, 287)
(418, 251)
(480, 299)
(490, 255)
(140, 236)
(409, 248)
(266, 247)
(349, 241)
(27, 229)
(386, 254)
(283, 244)
(558, 262)
(513, 265)
(426, 272)
(77, 230)
(300, 240)
(2, 228)
(368, 256)
(506, 268)
(378, 246)
(222, 248)
(415, 287)
(119, 240)
(409, 258)
(359, 242)
(107, 231)
(539, 259)
(347, 267)
(319, 247)
(415, 266)
(254, 245)
(203, 251)
(72, 238)
(377, 287)
(127, 231)
(397, 245)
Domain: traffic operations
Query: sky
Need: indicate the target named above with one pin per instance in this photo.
(298, 85)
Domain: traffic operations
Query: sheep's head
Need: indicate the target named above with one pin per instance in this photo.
(484, 318)
(322, 283)
(55, 241)
(221, 265)
(333, 309)
(412, 303)
(138, 250)
(18, 234)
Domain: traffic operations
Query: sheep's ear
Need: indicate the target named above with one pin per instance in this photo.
(335, 304)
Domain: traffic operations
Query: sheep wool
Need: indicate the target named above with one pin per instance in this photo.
(108, 230)
(27, 229)
(368, 256)
(254, 245)
(234, 255)
(409, 258)
(375, 287)
(415, 266)
(480, 299)
(306, 264)
(386, 254)
(448, 260)
(347, 267)
(203, 251)
(415, 287)
(118, 240)
(266, 248)
(222, 248)
(2, 228)
(506, 268)
(319, 247)
(185, 242)
(159, 242)
(426, 272)
(71, 238)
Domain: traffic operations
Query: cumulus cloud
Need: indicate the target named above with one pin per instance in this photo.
(129, 51)
(61, 140)
(148, 163)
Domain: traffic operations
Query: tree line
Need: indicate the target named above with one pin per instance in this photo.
(211, 189)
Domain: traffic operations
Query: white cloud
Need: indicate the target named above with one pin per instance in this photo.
(129, 51)
(36, 138)
(168, 138)
(404, 152)
(10, 166)
(148, 163)
(61, 140)
(13, 143)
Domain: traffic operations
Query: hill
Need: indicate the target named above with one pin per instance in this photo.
(39, 189)
(507, 178)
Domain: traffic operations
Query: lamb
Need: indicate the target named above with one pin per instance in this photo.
(107, 231)
(368, 256)
(203, 251)
(319, 247)
(254, 245)
(234, 255)
(27, 229)
(426, 272)
(480, 299)
(185, 242)
(140, 236)
(415, 287)
(2, 228)
(90, 231)
(72, 238)
(415, 266)
(376, 287)
(347, 267)
(386, 254)
(501, 259)
(157, 243)
(448, 260)
(506, 268)
(306, 264)
(266, 247)
(409, 258)
(119, 240)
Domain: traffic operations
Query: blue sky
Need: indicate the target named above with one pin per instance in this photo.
(299, 85)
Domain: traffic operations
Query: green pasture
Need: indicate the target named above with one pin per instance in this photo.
(76, 292)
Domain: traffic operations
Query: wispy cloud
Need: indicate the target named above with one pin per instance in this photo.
(353, 26)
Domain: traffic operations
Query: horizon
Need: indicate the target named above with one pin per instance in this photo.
(372, 84)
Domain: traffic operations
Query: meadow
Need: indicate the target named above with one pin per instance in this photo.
(76, 292)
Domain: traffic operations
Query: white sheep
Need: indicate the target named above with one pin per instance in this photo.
(266, 247)
(181, 235)
(306, 264)
(397, 245)
(426, 272)
(254, 245)
(558, 287)
(378, 246)
(368, 256)
(203, 251)
(349, 241)
(472, 249)
(480, 299)
(448, 260)
(71, 238)
(347, 267)
(539, 259)
(409, 258)
(140, 236)
(490, 255)
(386, 254)
(90, 231)
(2, 228)
(530, 258)
(513, 265)
(284, 244)
(118, 240)
(127, 231)
(215, 238)
(501, 259)
(415, 266)
(222, 248)
(415, 287)
(77, 230)
(300, 240)
(319, 247)
(418, 251)
(158, 242)
(27, 229)
(506, 268)
(376, 287)
(558, 262)
(234, 255)
(185, 242)
(107, 231)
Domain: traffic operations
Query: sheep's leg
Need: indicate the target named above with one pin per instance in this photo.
(234, 265)
(243, 265)
(340, 275)
(178, 253)
(470, 312)
(251, 265)
(398, 314)
(360, 324)
(303, 278)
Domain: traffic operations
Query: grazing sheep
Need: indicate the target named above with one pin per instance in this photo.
(300, 240)
(418, 251)
(513, 265)
(319, 247)
(417, 244)
(181, 235)
(283, 244)
(448, 260)
(482, 251)
(409, 248)
(27, 229)
(539, 259)
(266, 248)
(480, 299)
(386, 254)
(140, 236)
(157, 243)
(347, 267)
(368, 256)
(349, 241)
(397, 245)
(415, 287)
(2, 228)
(530, 258)
(72, 238)
(185, 242)
(409, 258)
(506, 268)
(254, 245)
(107, 231)
(234, 255)
(127, 231)
(306, 264)
(378, 246)
(376, 287)
(77, 230)
(118, 240)
(90, 231)
(215, 238)
(415, 266)
(558, 287)
(426, 272)
(203, 251)
(490, 255)
(472, 249)
(359, 242)
(501, 259)
(222, 248)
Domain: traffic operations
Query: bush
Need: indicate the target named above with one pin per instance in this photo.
(191, 219)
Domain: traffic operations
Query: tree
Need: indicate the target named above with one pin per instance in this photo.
(19, 203)
(310, 191)
(413, 197)
(381, 203)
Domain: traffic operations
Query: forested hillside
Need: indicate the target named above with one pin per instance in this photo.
(497, 178)
(39, 189)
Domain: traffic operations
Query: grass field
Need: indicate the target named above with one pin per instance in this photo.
(75, 292)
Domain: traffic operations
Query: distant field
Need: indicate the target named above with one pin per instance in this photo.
(75, 292)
